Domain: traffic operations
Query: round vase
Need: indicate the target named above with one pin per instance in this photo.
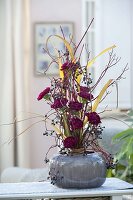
(78, 170)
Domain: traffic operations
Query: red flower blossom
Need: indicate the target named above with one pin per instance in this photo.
(65, 66)
(86, 95)
(71, 142)
(75, 105)
(43, 93)
(59, 103)
(69, 65)
(76, 123)
(84, 89)
(93, 118)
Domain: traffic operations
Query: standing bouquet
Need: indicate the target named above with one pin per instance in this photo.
(77, 125)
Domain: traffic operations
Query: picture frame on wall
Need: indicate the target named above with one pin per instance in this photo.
(43, 65)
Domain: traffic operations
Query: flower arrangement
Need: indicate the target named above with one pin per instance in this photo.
(77, 126)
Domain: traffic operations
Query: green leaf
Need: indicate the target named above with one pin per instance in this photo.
(130, 113)
(47, 97)
(120, 156)
(67, 131)
(120, 167)
(130, 147)
(123, 134)
(131, 160)
(109, 173)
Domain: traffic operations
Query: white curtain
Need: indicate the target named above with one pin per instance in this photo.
(14, 88)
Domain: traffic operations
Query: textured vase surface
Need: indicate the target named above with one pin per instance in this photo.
(78, 171)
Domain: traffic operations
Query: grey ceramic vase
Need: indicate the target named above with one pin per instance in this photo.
(78, 171)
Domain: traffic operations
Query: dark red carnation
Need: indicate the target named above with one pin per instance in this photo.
(86, 95)
(75, 105)
(84, 89)
(71, 142)
(69, 65)
(93, 118)
(59, 103)
(65, 66)
(75, 123)
(43, 93)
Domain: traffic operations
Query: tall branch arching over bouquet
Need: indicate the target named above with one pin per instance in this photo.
(76, 124)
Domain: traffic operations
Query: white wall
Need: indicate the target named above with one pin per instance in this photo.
(47, 11)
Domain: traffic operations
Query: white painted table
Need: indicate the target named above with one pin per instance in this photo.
(114, 188)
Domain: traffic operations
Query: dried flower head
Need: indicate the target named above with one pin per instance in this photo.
(93, 118)
(71, 142)
(43, 93)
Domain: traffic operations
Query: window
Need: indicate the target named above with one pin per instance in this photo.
(112, 25)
